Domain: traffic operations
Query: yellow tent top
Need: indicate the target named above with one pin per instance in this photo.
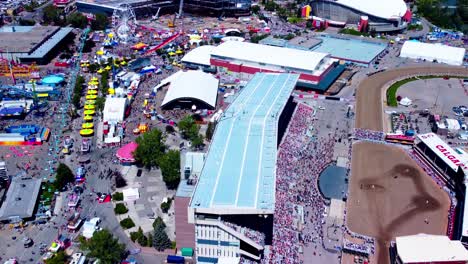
(123, 62)
(179, 51)
(92, 92)
(110, 35)
(86, 132)
(90, 102)
(87, 118)
(91, 97)
(87, 125)
(171, 53)
(89, 112)
(89, 107)
(94, 79)
(42, 95)
(108, 67)
(100, 71)
(111, 91)
(100, 52)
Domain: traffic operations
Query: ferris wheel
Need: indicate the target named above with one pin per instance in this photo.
(124, 22)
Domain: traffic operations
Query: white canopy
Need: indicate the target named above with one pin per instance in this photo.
(430, 52)
(406, 101)
(114, 109)
(131, 194)
(195, 85)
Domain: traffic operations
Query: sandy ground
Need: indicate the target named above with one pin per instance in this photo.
(369, 95)
(391, 196)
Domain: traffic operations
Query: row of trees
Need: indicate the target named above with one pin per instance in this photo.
(437, 12)
(54, 15)
(190, 130)
(152, 152)
(78, 91)
(157, 239)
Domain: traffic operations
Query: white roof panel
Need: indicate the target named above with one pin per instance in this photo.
(430, 248)
(114, 109)
(427, 51)
(443, 151)
(270, 55)
(200, 55)
(193, 84)
(384, 9)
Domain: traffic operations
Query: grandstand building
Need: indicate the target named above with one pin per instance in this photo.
(233, 202)
(383, 16)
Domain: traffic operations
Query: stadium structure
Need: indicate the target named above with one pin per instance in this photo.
(450, 165)
(383, 16)
(236, 189)
(316, 70)
(145, 8)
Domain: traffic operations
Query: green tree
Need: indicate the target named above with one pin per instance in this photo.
(100, 101)
(255, 9)
(104, 83)
(88, 47)
(26, 22)
(150, 148)
(170, 168)
(120, 208)
(64, 176)
(127, 223)
(58, 258)
(210, 130)
(160, 239)
(188, 127)
(52, 14)
(100, 22)
(104, 247)
(197, 141)
(77, 20)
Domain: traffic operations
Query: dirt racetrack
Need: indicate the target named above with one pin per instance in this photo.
(391, 196)
(369, 101)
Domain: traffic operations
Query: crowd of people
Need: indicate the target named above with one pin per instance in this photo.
(438, 179)
(365, 134)
(300, 161)
(257, 236)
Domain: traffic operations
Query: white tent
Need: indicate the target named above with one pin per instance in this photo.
(433, 52)
(131, 194)
(406, 101)
(114, 109)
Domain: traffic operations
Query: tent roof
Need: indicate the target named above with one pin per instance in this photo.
(441, 53)
(126, 151)
(430, 248)
(193, 84)
(114, 109)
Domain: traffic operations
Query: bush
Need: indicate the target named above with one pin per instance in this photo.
(120, 181)
(118, 196)
(166, 205)
(120, 208)
(134, 236)
(127, 223)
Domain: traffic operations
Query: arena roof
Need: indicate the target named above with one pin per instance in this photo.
(423, 248)
(383, 9)
(193, 84)
(200, 55)
(427, 51)
(443, 150)
(270, 55)
(239, 173)
(20, 199)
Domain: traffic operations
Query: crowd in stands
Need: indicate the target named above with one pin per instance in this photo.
(257, 236)
(441, 183)
(371, 135)
(300, 161)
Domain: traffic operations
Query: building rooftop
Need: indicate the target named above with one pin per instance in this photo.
(24, 39)
(383, 9)
(50, 43)
(200, 55)
(239, 172)
(423, 248)
(290, 59)
(20, 199)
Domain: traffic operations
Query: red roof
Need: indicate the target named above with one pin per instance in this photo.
(125, 153)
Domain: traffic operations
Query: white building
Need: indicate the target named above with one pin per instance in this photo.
(424, 248)
(433, 52)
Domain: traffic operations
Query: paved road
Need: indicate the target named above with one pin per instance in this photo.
(369, 101)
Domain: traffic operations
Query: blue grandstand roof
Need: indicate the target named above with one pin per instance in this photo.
(239, 171)
(49, 44)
